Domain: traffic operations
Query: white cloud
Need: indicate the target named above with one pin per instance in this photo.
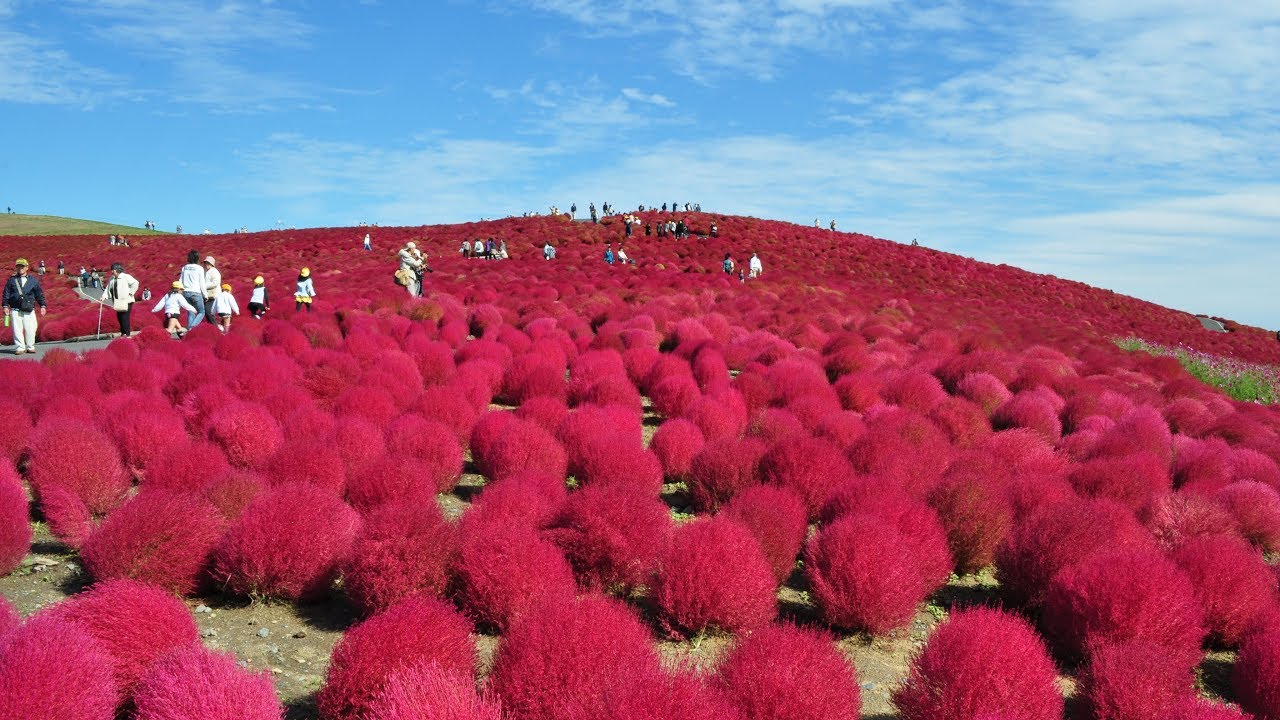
(643, 97)
(34, 71)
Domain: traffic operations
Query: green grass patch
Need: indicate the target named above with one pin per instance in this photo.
(1247, 382)
(52, 225)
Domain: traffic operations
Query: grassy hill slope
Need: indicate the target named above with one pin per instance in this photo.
(53, 225)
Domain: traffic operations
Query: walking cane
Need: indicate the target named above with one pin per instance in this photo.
(98, 336)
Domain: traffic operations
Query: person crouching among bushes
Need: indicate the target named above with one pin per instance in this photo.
(306, 291)
(120, 292)
(173, 303)
(225, 306)
(258, 302)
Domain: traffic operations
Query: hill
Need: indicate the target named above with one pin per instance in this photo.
(54, 225)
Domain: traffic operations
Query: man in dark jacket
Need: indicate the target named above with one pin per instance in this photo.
(22, 293)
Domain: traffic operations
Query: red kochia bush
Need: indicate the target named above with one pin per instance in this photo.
(15, 517)
(9, 618)
(570, 658)
(186, 467)
(809, 467)
(503, 570)
(981, 663)
(520, 447)
(404, 548)
(722, 469)
(1058, 535)
(976, 512)
(1124, 595)
(1133, 681)
(1256, 677)
(863, 574)
(159, 537)
(676, 443)
(1198, 709)
(616, 459)
(529, 499)
(288, 543)
(194, 683)
(786, 673)
(611, 534)
(1256, 507)
(246, 432)
(777, 519)
(430, 443)
(1232, 583)
(308, 460)
(76, 474)
(1176, 517)
(134, 623)
(423, 691)
(1130, 480)
(714, 574)
(418, 629)
(51, 669)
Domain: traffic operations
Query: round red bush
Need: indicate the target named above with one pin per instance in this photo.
(430, 443)
(423, 691)
(309, 460)
(777, 518)
(1256, 676)
(1175, 518)
(132, 622)
(528, 499)
(676, 443)
(288, 543)
(194, 683)
(159, 537)
(15, 520)
(1120, 596)
(722, 469)
(1256, 507)
(786, 673)
(520, 447)
(905, 447)
(503, 570)
(186, 467)
(1058, 535)
(1130, 480)
(570, 659)
(864, 575)
(981, 663)
(713, 573)
(809, 467)
(1231, 581)
(234, 490)
(415, 630)
(976, 513)
(51, 669)
(246, 432)
(1133, 681)
(76, 474)
(611, 534)
(403, 549)
(616, 459)
(545, 412)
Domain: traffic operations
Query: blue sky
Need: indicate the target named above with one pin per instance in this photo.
(1131, 145)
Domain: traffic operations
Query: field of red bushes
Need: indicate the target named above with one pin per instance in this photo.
(665, 450)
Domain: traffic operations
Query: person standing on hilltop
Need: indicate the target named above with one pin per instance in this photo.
(212, 288)
(192, 280)
(368, 242)
(22, 293)
(833, 224)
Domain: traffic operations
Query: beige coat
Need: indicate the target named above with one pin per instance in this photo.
(120, 291)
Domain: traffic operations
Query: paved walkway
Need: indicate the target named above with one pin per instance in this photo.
(75, 345)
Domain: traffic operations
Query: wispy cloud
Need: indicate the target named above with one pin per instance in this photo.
(643, 97)
(34, 71)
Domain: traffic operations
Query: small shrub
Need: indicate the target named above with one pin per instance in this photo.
(676, 443)
(714, 574)
(504, 570)
(863, 574)
(521, 447)
(15, 520)
(809, 467)
(786, 673)
(1232, 583)
(976, 513)
(528, 499)
(722, 469)
(246, 432)
(1175, 518)
(234, 490)
(415, 630)
(981, 663)
(42, 660)
(777, 518)
(1134, 681)
(185, 467)
(132, 622)
(72, 461)
(309, 460)
(430, 443)
(1256, 507)
(1120, 596)
(1256, 676)
(423, 691)
(159, 537)
(610, 534)
(403, 549)
(287, 544)
(194, 683)
(570, 658)
(391, 479)
(1130, 480)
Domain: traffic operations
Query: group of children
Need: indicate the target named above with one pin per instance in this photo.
(225, 305)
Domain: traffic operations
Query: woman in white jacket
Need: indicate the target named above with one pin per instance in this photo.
(224, 305)
(120, 291)
(173, 304)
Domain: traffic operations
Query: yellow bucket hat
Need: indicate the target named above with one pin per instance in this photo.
(177, 285)
(258, 280)
(306, 272)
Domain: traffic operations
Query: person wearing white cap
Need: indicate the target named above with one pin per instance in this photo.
(411, 264)
(212, 288)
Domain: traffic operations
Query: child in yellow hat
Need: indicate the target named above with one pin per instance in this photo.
(225, 305)
(258, 302)
(305, 292)
(173, 304)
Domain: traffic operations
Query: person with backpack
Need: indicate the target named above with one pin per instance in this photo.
(305, 292)
(120, 292)
(22, 293)
(757, 267)
(728, 264)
